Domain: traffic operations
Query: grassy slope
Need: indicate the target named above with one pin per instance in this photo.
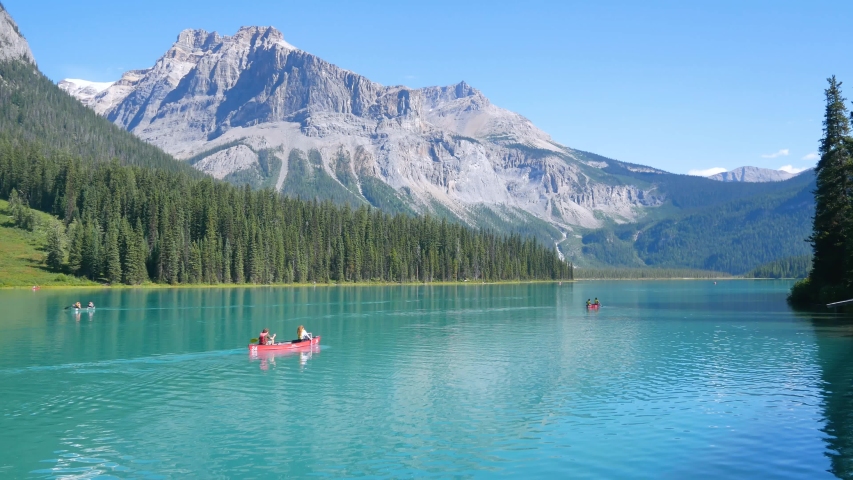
(22, 255)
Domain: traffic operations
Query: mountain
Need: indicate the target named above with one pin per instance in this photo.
(119, 210)
(13, 46)
(752, 174)
(224, 102)
(252, 108)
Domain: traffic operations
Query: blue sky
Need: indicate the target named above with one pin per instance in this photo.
(678, 85)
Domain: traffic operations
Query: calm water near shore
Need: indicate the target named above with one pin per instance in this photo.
(670, 379)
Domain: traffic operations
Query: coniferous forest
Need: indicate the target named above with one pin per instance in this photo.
(129, 224)
(831, 275)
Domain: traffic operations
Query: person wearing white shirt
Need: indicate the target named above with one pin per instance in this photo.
(301, 334)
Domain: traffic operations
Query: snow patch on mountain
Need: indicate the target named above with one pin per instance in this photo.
(84, 90)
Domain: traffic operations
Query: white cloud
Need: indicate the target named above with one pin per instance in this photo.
(812, 156)
(781, 153)
(792, 170)
(707, 172)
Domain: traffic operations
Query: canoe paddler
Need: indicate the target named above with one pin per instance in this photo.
(91, 305)
(588, 302)
(301, 334)
(264, 338)
(596, 302)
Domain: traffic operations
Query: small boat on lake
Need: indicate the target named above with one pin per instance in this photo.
(283, 346)
(593, 306)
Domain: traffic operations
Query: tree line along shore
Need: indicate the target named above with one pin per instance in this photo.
(130, 224)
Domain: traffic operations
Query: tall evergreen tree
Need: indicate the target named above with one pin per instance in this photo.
(113, 271)
(55, 251)
(75, 249)
(832, 195)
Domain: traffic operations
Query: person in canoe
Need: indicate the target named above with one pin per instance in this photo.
(596, 302)
(301, 334)
(91, 305)
(588, 303)
(264, 338)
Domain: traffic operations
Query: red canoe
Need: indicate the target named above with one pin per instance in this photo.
(278, 347)
(593, 306)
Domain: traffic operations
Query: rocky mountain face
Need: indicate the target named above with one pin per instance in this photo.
(752, 174)
(253, 106)
(13, 46)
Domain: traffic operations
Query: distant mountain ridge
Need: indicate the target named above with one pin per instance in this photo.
(753, 174)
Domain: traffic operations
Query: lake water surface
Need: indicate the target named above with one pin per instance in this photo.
(670, 379)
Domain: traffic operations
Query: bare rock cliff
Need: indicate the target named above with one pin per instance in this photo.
(12, 43)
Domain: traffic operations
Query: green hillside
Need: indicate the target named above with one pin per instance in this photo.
(759, 224)
(36, 112)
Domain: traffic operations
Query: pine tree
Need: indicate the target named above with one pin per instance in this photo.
(113, 272)
(91, 251)
(832, 195)
(134, 260)
(55, 252)
(226, 262)
(239, 269)
(75, 251)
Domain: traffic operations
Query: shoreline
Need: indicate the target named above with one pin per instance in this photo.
(155, 286)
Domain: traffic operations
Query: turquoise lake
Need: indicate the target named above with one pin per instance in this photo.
(669, 379)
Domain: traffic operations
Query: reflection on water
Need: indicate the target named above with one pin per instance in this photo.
(267, 359)
(834, 338)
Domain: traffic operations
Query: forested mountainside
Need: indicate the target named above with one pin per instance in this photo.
(131, 224)
(727, 227)
(34, 111)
